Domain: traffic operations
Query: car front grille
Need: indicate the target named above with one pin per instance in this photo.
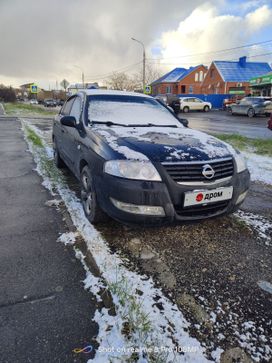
(202, 210)
(192, 171)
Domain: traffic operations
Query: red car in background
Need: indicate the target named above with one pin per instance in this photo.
(269, 123)
(229, 101)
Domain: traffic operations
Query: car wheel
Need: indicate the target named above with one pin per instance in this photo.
(185, 109)
(57, 159)
(89, 199)
(206, 108)
(251, 112)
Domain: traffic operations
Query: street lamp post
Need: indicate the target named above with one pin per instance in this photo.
(142, 44)
(82, 75)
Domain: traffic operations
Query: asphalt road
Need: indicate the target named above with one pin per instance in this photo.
(44, 310)
(222, 122)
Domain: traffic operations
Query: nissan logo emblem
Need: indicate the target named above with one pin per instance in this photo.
(208, 171)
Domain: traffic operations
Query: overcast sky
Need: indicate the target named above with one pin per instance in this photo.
(43, 41)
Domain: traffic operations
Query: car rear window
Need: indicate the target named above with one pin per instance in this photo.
(129, 110)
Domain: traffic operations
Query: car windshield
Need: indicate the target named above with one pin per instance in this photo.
(129, 111)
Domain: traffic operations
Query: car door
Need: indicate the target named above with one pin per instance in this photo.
(73, 136)
(242, 107)
(63, 139)
(192, 104)
(198, 104)
(58, 129)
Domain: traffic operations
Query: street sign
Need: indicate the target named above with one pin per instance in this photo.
(148, 90)
(33, 88)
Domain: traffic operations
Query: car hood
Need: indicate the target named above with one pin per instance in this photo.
(163, 143)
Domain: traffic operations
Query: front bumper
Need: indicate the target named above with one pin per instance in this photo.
(168, 194)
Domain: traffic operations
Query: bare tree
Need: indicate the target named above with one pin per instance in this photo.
(151, 74)
(121, 81)
(124, 81)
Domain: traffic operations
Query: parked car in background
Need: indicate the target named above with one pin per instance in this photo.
(194, 104)
(49, 103)
(252, 106)
(34, 102)
(170, 100)
(138, 164)
(230, 101)
(60, 102)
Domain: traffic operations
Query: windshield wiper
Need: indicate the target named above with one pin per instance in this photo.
(110, 123)
(107, 123)
(151, 125)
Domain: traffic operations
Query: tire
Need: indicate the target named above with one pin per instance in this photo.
(230, 111)
(91, 207)
(186, 109)
(57, 159)
(206, 108)
(251, 112)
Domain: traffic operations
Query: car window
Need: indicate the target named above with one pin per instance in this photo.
(198, 100)
(129, 110)
(191, 100)
(76, 109)
(67, 106)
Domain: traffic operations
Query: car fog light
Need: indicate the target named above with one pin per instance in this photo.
(241, 197)
(139, 209)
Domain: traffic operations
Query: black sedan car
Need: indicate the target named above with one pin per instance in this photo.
(49, 103)
(139, 164)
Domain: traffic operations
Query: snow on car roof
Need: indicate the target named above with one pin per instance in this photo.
(113, 92)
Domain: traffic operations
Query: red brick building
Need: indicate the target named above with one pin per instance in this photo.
(180, 81)
(232, 77)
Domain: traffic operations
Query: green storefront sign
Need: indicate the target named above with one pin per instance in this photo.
(237, 92)
(262, 80)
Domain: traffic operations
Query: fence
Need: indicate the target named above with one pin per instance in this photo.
(215, 100)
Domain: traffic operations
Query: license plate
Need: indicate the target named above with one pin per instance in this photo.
(198, 197)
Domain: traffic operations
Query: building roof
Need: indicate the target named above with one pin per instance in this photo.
(241, 71)
(177, 74)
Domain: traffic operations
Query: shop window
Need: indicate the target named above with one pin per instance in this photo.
(200, 76)
(191, 89)
(168, 89)
(196, 77)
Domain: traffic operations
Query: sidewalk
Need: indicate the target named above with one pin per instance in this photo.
(44, 310)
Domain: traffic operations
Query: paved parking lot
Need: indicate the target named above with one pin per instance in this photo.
(216, 271)
(217, 121)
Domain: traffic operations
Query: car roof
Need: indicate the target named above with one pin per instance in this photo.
(93, 92)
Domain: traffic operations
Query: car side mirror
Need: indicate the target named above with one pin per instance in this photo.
(69, 121)
(184, 121)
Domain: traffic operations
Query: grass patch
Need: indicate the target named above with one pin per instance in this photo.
(259, 146)
(33, 137)
(48, 167)
(23, 109)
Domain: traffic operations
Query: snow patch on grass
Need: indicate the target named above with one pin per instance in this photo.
(260, 167)
(259, 223)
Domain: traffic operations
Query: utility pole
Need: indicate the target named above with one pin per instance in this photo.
(82, 75)
(142, 44)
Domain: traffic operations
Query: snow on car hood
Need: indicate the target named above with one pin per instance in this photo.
(163, 143)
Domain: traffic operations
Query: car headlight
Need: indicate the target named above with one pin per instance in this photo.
(240, 163)
(139, 170)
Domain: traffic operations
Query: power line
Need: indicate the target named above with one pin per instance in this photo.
(215, 51)
(99, 76)
(209, 61)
